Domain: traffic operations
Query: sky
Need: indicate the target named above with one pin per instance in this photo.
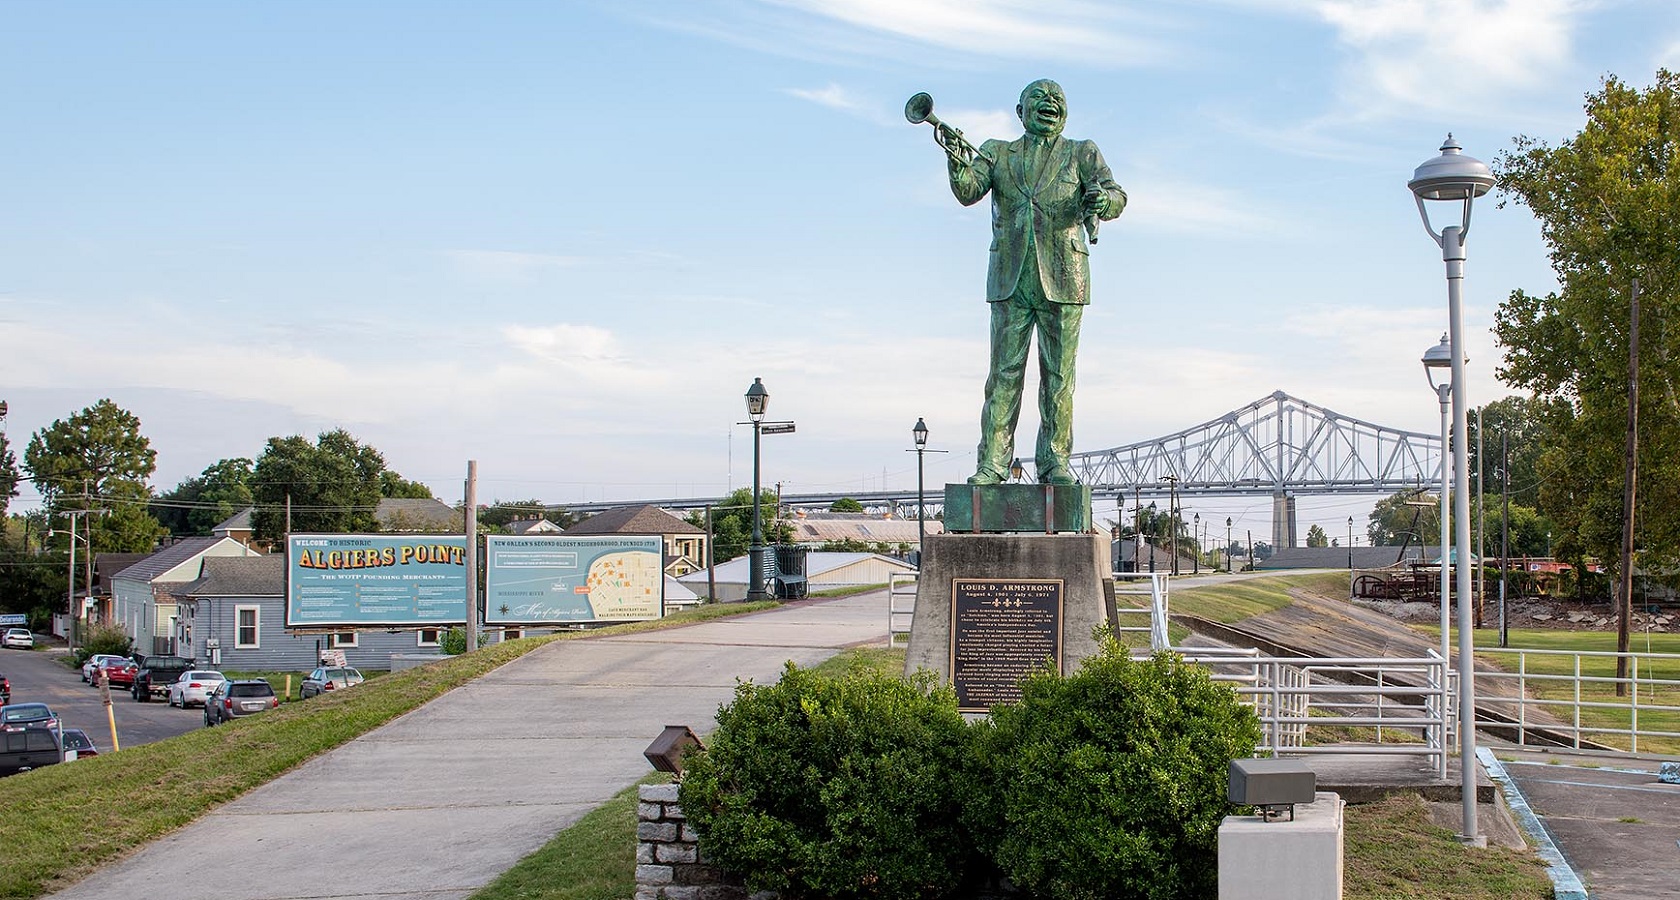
(562, 239)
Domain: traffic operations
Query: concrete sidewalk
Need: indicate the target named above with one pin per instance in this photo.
(439, 802)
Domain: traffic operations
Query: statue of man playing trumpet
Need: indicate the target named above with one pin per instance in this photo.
(1048, 195)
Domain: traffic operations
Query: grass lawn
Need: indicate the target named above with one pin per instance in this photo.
(1393, 852)
(59, 823)
(1237, 600)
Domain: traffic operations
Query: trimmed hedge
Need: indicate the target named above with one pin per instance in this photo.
(1109, 783)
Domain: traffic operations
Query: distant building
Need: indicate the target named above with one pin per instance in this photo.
(144, 602)
(823, 571)
(411, 515)
(522, 527)
(685, 545)
(814, 528)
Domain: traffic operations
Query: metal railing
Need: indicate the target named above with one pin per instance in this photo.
(1589, 709)
(901, 606)
(1390, 696)
(1157, 607)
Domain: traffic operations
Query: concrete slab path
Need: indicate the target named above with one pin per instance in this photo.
(439, 802)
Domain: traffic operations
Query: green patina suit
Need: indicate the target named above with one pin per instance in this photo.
(1044, 187)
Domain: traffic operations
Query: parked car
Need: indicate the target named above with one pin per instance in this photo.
(5, 691)
(242, 697)
(118, 672)
(18, 716)
(18, 638)
(29, 747)
(193, 687)
(77, 741)
(95, 662)
(329, 678)
(155, 675)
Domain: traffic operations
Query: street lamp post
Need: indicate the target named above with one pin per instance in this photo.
(1440, 357)
(1228, 567)
(1451, 177)
(758, 399)
(1196, 539)
(920, 434)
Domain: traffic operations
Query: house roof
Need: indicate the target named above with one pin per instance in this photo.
(239, 576)
(170, 557)
(818, 527)
(532, 526)
(239, 521)
(417, 514)
(634, 520)
(817, 564)
(107, 565)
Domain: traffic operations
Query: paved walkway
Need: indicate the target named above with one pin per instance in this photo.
(441, 801)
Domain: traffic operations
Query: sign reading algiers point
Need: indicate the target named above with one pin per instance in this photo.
(600, 578)
(364, 580)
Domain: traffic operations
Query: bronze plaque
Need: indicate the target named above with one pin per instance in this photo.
(1001, 630)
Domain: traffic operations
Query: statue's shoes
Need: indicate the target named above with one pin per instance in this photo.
(985, 477)
(1058, 475)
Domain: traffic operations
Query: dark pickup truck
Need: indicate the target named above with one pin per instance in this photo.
(156, 674)
(29, 747)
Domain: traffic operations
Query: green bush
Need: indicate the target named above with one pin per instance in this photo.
(838, 788)
(1109, 783)
(104, 639)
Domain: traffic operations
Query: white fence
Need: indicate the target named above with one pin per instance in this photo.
(1649, 699)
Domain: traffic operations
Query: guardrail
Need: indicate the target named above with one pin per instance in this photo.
(1156, 609)
(901, 606)
(1589, 709)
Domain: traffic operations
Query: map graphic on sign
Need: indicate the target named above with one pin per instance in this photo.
(605, 578)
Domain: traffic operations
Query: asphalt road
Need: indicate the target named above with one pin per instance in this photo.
(39, 676)
(1614, 821)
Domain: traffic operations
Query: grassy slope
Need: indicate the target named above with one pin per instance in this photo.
(59, 823)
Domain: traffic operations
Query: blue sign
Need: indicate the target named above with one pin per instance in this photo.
(14, 619)
(356, 580)
(598, 578)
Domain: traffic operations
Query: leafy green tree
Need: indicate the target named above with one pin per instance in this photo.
(9, 474)
(732, 523)
(98, 459)
(200, 503)
(1317, 538)
(1608, 203)
(846, 504)
(334, 485)
(501, 513)
(395, 486)
(1408, 516)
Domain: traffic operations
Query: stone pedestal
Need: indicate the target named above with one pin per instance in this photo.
(1283, 859)
(992, 607)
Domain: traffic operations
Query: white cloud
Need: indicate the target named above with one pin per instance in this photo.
(1192, 208)
(834, 97)
(1447, 55)
(1668, 57)
(589, 354)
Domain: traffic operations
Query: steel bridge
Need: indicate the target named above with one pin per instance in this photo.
(1279, 445)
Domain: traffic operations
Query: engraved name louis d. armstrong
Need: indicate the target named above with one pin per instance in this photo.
(1002, 630)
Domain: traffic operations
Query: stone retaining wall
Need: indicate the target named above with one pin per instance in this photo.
(669, 864)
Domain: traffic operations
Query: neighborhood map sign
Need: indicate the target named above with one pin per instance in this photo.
(354, 580)
(605, 578)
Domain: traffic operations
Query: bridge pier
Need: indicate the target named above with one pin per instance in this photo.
(1283, 520)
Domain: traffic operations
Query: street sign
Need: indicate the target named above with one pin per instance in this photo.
(776, 428)
(14, 619)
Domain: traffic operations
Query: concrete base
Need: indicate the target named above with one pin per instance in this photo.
(1283, 859)
(1080, 561)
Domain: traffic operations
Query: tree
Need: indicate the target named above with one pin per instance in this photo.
(393, 485)
(1317, 538)
(204, 501)
(501, 513)
(9, 474)
(1406, 517)
(1608, 202)
(732, 523)
(334, 485)
(97, 459)
(846, 504)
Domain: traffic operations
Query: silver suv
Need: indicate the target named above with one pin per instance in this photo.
(232, 699)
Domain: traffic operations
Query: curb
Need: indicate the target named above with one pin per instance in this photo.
(1566, 884)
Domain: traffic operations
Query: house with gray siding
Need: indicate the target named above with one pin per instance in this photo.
(234, 618)
(143, 596)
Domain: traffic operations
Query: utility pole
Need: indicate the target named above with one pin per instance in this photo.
(1624, 615)
(1504, 527)
(1172, 516)
(1481, 525)
(470, 514)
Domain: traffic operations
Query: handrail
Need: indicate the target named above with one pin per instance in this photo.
(1641, 679)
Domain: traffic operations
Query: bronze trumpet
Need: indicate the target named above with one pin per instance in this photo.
(919, 109)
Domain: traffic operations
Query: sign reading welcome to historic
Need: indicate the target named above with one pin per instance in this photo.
(577, 579)
(367, 580)
(1002, 629)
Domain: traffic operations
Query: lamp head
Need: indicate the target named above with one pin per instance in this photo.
(1017, 471)
(1436, 358)
(758, 399)
(1451, 176)
(920, 432)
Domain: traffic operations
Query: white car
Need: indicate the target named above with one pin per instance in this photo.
(21, 638)
(94, 662)
(194, 687)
